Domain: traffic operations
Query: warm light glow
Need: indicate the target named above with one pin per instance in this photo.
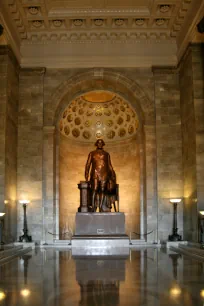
(24, 201)
(202, 293)
(25, 292)
(99, 96)
(2, 295)
(175, 291)
(175, 200)
(201, 212)
(2, 214)
(6, 201)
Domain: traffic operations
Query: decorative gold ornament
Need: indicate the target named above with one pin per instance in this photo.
(77, 121)
(119, 22)
(139, 22)
(66, 130)
(33, 10)
(75, 133)
(78, 22)
(98, 22)
(57, 23)
(164, 8)
(37, 23)
(110, 134)
(86, 134)
(122, 132)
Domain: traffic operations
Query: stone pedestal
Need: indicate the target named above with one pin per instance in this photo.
(100, 234)
(100, 224)
(84, 189)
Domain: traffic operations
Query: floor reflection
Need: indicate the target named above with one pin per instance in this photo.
(147, 277)
(102, 284)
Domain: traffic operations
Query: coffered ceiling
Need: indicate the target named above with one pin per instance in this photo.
(100, 32)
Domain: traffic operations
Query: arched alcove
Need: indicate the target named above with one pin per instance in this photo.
(118, 84)
(88, 117)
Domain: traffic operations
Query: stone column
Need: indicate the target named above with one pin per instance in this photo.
(169, 149)
(192, 114)
(9, 92)
(50, 214)
(30, 148)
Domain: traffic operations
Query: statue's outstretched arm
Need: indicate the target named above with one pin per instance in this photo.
(87, 168)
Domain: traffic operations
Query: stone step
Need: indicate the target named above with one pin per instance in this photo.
(187, 250)
(10, 252)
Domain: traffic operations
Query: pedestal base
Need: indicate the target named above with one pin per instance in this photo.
(100, 224)
(100, 245)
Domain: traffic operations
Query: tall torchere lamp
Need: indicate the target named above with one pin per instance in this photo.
(25, 237)
(201, 229)
(1, 227)
(175, 236)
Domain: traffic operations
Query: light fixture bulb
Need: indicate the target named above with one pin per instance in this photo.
(25, 292)
(175, 291)
(175, 200)
(2, 214)
(2, 295)
(24, 201)
(202, 213)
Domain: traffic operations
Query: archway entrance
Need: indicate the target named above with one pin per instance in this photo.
(117, 83)
(90, 116)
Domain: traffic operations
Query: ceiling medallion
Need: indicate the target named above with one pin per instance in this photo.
(139, 22)
(160, 22)
(37, 23)
(119, 22)
(164, 8)
(57, 23)
(78, 22)
(33, 10)
(98, 22)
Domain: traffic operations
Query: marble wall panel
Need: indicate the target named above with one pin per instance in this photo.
(30, 149)
(8, 140)
(169, 149)
(189, 148)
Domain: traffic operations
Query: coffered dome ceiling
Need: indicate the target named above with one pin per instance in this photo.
(99, 114)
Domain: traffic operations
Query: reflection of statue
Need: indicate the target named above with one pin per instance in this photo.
(102, 177)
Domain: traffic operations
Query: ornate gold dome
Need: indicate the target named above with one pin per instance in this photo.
(111, 119)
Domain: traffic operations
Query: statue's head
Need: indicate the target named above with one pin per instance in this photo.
(99, 143)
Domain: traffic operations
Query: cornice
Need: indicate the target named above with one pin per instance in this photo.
(189, 27)
(159, 71)
(97, 37)
(40, 71)
(99, 61)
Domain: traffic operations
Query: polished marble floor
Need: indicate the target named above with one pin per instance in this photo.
(148, 277)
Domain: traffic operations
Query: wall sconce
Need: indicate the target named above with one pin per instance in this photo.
(25, 237)
(175, 236)
(201, 229)
(1, 227)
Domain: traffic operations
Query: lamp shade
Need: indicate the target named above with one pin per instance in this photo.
(201, 212)
(2, 214)
(24, 201)
(175, 200)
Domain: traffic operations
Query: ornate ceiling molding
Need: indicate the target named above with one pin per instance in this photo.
(97, 36)
(93, 23)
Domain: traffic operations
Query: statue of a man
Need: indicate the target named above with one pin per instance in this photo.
(100, 175)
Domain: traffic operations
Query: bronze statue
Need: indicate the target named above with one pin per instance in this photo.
(102, 177)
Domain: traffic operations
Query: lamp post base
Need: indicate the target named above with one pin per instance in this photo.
(175, 237)
(25, 238)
